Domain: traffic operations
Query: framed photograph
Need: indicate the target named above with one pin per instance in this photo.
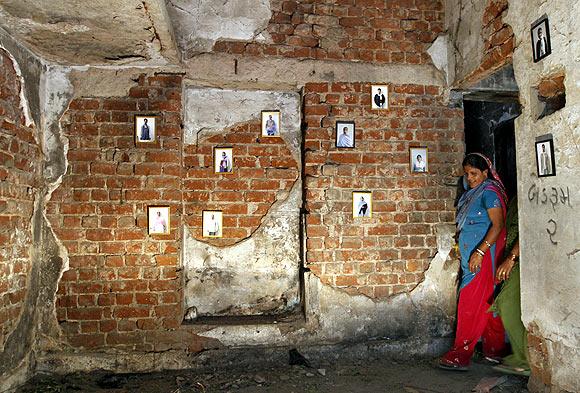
(145, 129)
(212, 223)
(271, 124)
(379, 97)
(545, 158)
(158, 220)
(223, 159)
(345, 134)
(541, 45)
(362, 204)
(419, 159)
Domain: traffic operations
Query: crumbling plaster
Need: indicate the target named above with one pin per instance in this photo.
(230, 71)
(259, 275)
(37, 319)
(200, 23)
(550, 263)
(405, 325)
(463, 20)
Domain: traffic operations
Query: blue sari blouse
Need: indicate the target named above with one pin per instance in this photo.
(475, 227)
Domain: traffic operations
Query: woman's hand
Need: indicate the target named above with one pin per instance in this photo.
(475, 262)
(504, 270)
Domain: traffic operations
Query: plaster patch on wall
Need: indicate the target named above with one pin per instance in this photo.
(439, 54)
(212, 110)
(259, 275)
(334, 315)
(200, 23)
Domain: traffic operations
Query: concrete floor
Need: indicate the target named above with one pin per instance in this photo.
(376, 375)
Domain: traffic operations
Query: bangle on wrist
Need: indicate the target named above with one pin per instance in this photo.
(487, 243)
(513, 257)
(477, 250)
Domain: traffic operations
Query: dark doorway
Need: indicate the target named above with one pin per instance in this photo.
(489, 129)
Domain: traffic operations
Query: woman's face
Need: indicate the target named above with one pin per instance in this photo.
(474, 176)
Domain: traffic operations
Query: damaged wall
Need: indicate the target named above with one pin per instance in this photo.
(19, 175)
(548, 206)
(481, 40)
(257, 272)
(549, 256)
(387, 253)
(374, 31)
(125, 293)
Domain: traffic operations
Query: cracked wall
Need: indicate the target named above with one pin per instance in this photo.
(482, 42)
(254, 268)
(122, 290)
(200, 23)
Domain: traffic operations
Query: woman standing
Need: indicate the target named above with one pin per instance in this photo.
(480, 224)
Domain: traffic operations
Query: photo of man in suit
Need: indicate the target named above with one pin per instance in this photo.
(379, 99)
(541, 46)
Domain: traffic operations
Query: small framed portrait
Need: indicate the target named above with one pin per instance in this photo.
(419, 159)
(545, 160)
(362, 204)
(145, 129)
(212, 223)
(345, 134)
(379, 97)
(223, 159)
(271, 124)
(541, 45)
(158, 220)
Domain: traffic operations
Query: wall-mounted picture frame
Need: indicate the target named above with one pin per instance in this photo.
(541, 44)
(271, 124)
(379, 97)
(345, 134)
(419, 159)
(362, 204)
(146, 129)
(545, 160)
(159, 220)
(223, 159)
(212, 221)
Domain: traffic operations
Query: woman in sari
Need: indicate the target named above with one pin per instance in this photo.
(480, 224)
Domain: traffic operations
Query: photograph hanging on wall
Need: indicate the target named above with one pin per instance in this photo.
(418, 159)
(223, 158)
(379, 97)
(158, 220)
(212, 223)
(271, 123)
(345, 136)
(541, 45)
(545, 160)
(145, 129)
(362, 204)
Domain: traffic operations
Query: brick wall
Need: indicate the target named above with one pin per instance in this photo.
(499, 41)
(122, 283)
(264, 172)
(18, 177)
(388, 253)
(378, 31)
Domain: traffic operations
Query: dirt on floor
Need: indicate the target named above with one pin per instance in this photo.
(373, 375)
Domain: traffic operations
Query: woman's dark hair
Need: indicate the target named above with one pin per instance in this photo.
(475, 161)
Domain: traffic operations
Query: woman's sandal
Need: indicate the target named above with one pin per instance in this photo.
(449, 365)
(504, 368)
